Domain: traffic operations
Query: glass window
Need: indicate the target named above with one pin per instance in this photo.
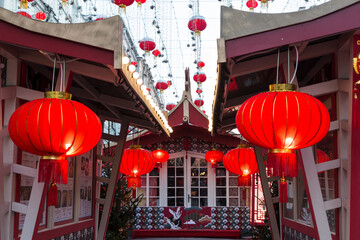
(175, 190)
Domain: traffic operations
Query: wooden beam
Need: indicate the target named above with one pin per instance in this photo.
(19, 207)
(315, 69)
(105, 158)
(333, 204)
(267, 195)
(112, 182)
(325, 166)
(320, 89)
(23, 170)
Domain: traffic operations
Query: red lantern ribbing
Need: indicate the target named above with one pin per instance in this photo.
(197, 24)
(136, 162)
(251, 4)
(214, 157)
(123, 4)
(40, 16)
(54, 128)
(199, 102)
(25, 14)
(241, 161)
(170, 106)
(199, 77)
(147, 44)
(161, 85)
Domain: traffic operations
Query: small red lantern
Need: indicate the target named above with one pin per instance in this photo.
(170, 106)
(241, 161)
(214, 157)
(136, 162)
(25, 3)
(200, 64)
(140, 2)
(156, 53)
(199, 102)
(169, 83)
(283, 120)
(199, 90)
(25, 14)
(161, 85)
(98, 19)
(321, 156)
(199, 77)
(134, 63)
(147, 44)
(197, 24)
(123, 3)
(54, 128)
(40, 16)
(160, 156)
(251, 4)
(204, 111)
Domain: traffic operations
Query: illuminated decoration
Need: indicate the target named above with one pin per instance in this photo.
(25, 14)
(199, 102)
(356, 64)
(134, 63)
(54, 128)
(123, 4)
(214, 157)
(204, 111)
(40, 16)
(283, 120)
(140, 2)
(251, 4)
(169, 83)
(160, 156)
(64, 2)
(241, 161)
(264, 3)
(25, 3)
(170, 106)
(136, 162)
(161, 85)
(147, 44)
(99, 18)
(199, 77)
(199, 90)
(197, 24)
(156, 53)
(125, 60)
(200, 64)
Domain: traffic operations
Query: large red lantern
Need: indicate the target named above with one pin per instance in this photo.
(199, 77)
(200, 64)
(25, 3)
(214, 157)
(199, 102)
(160, 156)
(156, 53)
(251, 4)
(54, 128)
(283, 120)
(123, 3)
(170, 106)
(136, 162)
(25, 14)
(147, 44)
(241, 161)
(197, 24)
(161, 85)
(40, 16)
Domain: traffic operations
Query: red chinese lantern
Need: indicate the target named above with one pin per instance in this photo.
(140, 2)
(321, 156)
(161, 85)
(251, 4)
(241, 161)
(199, 77)
(204, 111)
(197, 24)
(283, 120)
(25, 3)
(54, 128)
(40, 16)
(123, 3)
(214, 157)
(199, 90)
(160, 156)
(134, 63)
(156, 53)
(25, 14)
(200, 64)
(169, 83)
(136, 162)
(98, 19)
(147, 44)
(199, 102)
(170, 106)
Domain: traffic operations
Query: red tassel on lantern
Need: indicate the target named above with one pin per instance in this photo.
(134, 182)
(52, 169)
(283, 195)
(52, 195)
(244, 181)
(284, 162)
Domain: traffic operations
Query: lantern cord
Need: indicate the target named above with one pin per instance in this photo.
(296, 64)
(53, 76)
(277, 67)
(288, 65)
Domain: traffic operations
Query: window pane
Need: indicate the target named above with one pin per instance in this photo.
(203, 163)
(233, 181)
(171, 192)
(233, 202)
(194, 162)
(153, 181)
(171, 171)
(194, 182)
(194, 202)
(203, 171)
(154, 192)
(171, 182)
(194, 192)
(220, 191)
(153, 202)
(179, 192)
(171, 202)
(154, 172)
(194, 172)
(179, 182)
(171, 162)
(220, 202)
(180, 202)
(233, 191)
(203, 202)
(220, 172)
(203, 182)
(203, 191)
(180, 162)
(220, 181)
(179, 171)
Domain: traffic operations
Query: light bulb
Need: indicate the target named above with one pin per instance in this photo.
(125, 60)
(139, 81)
(143, 87)
(135, 75)
(132, 68)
